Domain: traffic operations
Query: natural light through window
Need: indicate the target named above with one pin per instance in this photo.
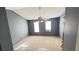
(36, 26)
(48, 26)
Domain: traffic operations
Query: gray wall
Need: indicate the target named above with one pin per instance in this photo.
(61, 26)
(71, 26)
(18, 26)
(54, 27)
(77, 40)
(5, 38)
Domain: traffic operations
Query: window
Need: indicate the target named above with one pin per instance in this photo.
(36, 26)
(48, 26)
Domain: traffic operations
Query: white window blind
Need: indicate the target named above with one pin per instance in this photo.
(36, 26)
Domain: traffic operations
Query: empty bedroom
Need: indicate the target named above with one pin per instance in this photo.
(36, 28)
(39, 28)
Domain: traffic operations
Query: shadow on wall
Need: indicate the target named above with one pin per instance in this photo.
(5, 38)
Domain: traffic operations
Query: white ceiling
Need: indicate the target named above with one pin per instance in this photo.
(14, 8)
(33, 12)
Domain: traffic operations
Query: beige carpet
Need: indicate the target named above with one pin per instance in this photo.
(39, 43)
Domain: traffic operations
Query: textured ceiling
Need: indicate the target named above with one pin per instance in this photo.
(33, 12)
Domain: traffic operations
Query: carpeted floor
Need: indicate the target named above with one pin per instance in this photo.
(39, 43)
